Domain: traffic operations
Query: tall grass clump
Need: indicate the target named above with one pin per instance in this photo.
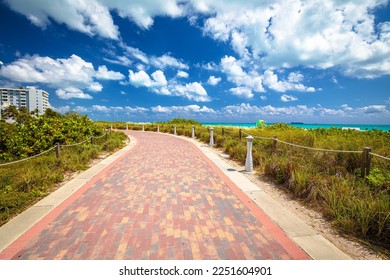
(328, 181)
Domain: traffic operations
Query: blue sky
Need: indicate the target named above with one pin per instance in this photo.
(214, 61)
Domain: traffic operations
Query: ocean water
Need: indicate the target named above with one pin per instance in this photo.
(310, 126)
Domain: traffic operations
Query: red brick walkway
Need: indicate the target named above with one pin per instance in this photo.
(164, 199)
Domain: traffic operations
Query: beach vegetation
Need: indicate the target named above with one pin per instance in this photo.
(23, 183)
(183, 121)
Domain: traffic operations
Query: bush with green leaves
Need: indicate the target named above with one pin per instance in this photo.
(25, 182)
(32, 135)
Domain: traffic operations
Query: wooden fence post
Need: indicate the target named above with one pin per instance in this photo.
(223, 131)
(274, 142)
(58, 154)
(92, 141)
(366, 162)
(240, 133)
(106, 135)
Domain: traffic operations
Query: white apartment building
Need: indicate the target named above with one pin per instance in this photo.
(28, 97)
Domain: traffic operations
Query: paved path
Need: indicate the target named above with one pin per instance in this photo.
(163, 199)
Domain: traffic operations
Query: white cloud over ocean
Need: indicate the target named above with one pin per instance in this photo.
(243, 111)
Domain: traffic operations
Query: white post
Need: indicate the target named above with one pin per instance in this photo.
(193, 131)
(211, 137)
(158, 128)
(174, 129)
(143, 127)
(111, 126)
(249, 160)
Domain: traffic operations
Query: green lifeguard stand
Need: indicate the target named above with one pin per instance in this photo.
(260, 123)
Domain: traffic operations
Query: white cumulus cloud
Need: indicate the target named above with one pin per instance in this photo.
(115, 109)
(284, 34)
(288, 98)
(242, 92)
(183, 110)
(88, 16)
(182, 74)
(160, 62)
(373, 109)
(141, 78)
(267, 111)
(344, 35)
(158, 84)
(73, 72)
(292, 83)
(192, 91)
(105, 74)
(167, 61)
(235, 73)
(246, 78)
(71, 92)
(213, 81)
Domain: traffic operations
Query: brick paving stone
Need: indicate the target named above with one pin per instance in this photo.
(164, 199)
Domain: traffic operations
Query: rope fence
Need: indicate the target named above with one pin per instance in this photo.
(365, 160)
(264, 138)
(57, 147)
(316, 149)
(73, 145)
(21, 160)
(365, 152)
(379, 156)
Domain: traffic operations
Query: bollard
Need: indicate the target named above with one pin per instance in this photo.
(249, 160)
(211, 137)
(143, 127)
(111, 126)
(174, 129)
(193, 131)
(58, 150)
(158, 128)
(366, 162)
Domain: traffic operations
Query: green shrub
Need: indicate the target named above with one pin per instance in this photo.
(23, 183)
(379, 179)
